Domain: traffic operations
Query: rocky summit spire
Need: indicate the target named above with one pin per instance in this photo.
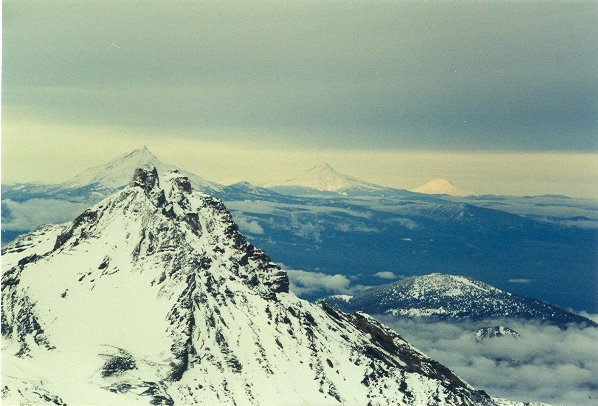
(145, 179)
(153, 296)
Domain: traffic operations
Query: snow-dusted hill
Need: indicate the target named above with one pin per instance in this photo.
(153, 296)
(324, 178)
(452, 298)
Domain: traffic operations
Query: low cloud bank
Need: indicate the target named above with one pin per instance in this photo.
(545, 364)
(32, 213)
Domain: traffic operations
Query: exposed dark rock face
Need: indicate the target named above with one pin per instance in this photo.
(118, 363)
(19, 314)
(145, 179)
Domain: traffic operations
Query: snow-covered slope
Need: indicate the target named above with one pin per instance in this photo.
(153, 296)
(441, 187)
(450, 297)
(323, 178)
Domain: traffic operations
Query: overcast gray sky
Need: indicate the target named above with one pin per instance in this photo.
(286, 76)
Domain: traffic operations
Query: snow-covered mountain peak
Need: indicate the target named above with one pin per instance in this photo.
(142, 154)
(117, 173)
(323, 177)
(441, 187)
(324, 166)
(153, 296)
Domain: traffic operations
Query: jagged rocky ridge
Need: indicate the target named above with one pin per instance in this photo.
(489, 333)
(452, 298)
(153, 296)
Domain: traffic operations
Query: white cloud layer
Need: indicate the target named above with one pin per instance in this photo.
(545, 364)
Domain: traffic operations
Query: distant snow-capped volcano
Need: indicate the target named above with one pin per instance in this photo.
(324, 178)
(441, 187)
(117, 173)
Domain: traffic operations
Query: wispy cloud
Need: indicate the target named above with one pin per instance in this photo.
(248, 226)
(520, 281)
(319, 283)
(385, 275)
(593, 317)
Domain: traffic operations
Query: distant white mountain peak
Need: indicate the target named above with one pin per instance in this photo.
(323, 177)
(441, 186)
(116, 173)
